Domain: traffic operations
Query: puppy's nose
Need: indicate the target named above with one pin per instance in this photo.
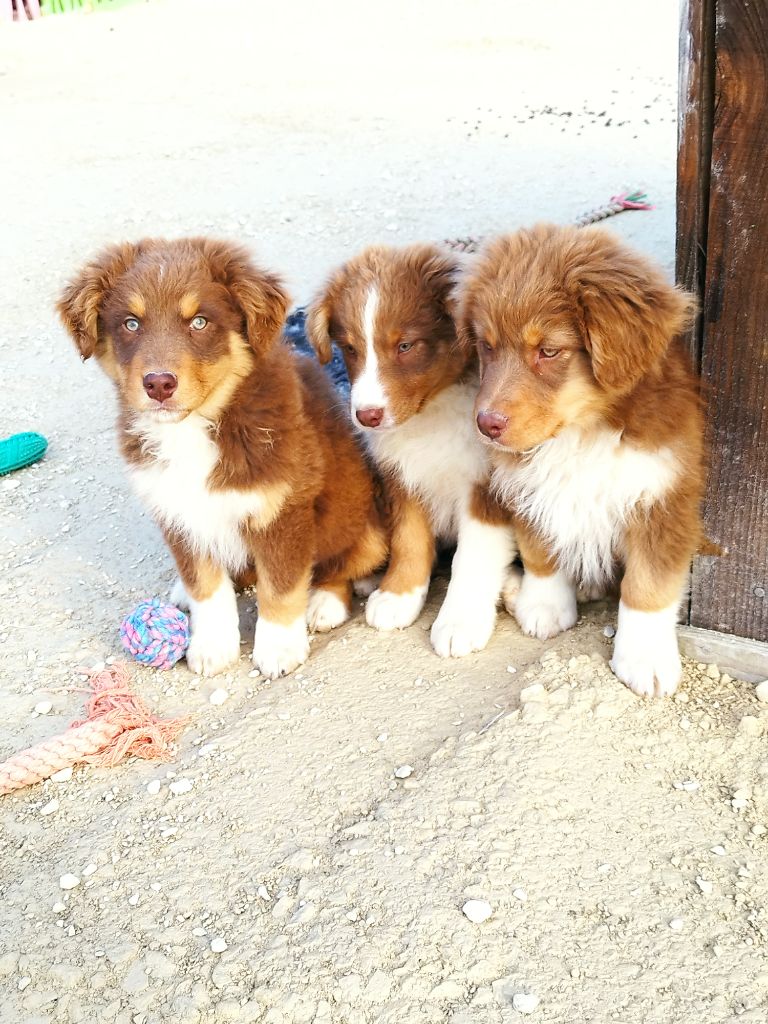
(160, 385)
(370, 417)
(492, 424)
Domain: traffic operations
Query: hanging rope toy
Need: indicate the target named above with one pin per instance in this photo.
(155, 634)
(118, 724)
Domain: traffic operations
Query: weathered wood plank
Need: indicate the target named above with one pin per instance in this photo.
(739, 657)
(730, 593)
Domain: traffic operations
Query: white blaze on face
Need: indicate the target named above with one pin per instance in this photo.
(367, 390)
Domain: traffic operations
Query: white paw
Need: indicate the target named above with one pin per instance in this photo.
(179, 596)
(278, 650)
(325, 611)
(215, 632)
(645, 654)
(385, 610)
(546, 605)
(511, 589)
(366, 586)
(459, 631)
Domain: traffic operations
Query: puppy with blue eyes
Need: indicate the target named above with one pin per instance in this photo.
(412, 395)
(239, 448)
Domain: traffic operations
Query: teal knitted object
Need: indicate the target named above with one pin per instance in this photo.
(21, 450)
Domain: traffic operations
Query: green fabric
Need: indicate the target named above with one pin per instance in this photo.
(21, 450)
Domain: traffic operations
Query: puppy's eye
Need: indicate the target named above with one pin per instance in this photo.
(486, 346)
(197, 323)
(549, 353)
(405, 346)
(131, 324)
(350, 350)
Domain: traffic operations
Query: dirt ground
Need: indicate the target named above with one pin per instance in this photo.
(293, 876)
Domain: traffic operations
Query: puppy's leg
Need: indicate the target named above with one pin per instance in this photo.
(403, 590)
(546, 602)
(330, 599)
(207, 591)
(645, 654)
(485, 549)
(283, 556)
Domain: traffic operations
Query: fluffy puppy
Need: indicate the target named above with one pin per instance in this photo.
(591, 416)
(237, 447)
(412, 394)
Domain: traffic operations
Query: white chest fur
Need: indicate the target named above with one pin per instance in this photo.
(580, 489)
(173, 484)
(437, 455)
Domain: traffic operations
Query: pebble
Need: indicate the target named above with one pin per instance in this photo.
(218, 945)
(89, 869)
(263, 892)
(181, 786)
(705, 886)
(511, 669)
(758, 829)
(676, 924)
(534, 692)
(761, 691)
(218, 696)
(750, 725)
(609, 631)
(520, 894)
(23, 982)
(153, 787)
(713, 672)
(69, 881)
(525, 1002)
(62, 776)
(719, 851)
(50, 807)
(477, 911)
(689, 785)
(403, 772)
(43, 707)
(59, 907)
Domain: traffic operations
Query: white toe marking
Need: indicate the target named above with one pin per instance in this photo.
(278, 650)
(215, 631)
(179, 596)
(466, 619)
(325, 611)
(385, 610)
(546, 605)
(645, 654)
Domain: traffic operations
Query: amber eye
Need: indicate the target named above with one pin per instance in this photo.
(549, 353)
(350, 349)
(131, 324)
(405, 346)
(198, 323)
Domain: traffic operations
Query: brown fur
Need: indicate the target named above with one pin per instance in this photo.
(574, 328)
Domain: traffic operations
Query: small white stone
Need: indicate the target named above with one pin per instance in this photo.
(218, 696)
(69, 881)
(153, 787)
(689, 785)
(62, 776)
(761, 691)
(705, 886)
(59, 907)
(23, 982)
(134, 900)
(43, 707)
(713, 672)
(520, 894)
(181, 786)
(199, 932)
(89, 869)
(477, 911)
(609, 631)
(50, 807)
(511, 669)
(263, 892)
(758, 829)
(403, 772)
(399, 850)
(676, 924)
(218, 945)
(719, 851)
(525, 1002)
(382, 737)
(534, 692)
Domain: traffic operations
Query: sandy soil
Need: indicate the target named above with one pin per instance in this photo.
(619, 844)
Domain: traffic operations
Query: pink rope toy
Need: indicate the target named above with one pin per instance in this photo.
(118, 724)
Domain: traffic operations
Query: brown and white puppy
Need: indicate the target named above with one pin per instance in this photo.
(238, 448)
(413, 390)
(593, 422)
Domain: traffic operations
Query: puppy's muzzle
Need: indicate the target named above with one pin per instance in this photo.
(492, 424)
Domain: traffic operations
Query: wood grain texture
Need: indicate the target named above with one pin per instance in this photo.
(730, 593)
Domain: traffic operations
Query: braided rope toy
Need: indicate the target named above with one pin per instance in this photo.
(617, 204)
(155, 634)
(118, 724)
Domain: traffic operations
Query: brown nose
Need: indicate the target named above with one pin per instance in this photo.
(492, 424)
(370, 417)
(160, 385)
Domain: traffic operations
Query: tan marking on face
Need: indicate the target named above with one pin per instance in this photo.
(228, 375)
(189, 303)
(137, 305)
(283, 609)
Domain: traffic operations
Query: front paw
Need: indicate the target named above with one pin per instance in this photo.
(459, 631)
(385, 610)
(210, 652)
(645, 654)
(325, 611)
(546, 605)
(278, 650)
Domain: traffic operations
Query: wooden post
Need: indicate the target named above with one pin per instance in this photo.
(722, 255)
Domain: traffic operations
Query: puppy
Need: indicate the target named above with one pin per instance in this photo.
(412, 395)
(592, 419)
(237, 447)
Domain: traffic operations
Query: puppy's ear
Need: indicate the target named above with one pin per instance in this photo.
(319, 315)
(629, 312)
(259, 294)
(79, 305)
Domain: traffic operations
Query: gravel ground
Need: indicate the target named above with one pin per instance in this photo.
(308, 854)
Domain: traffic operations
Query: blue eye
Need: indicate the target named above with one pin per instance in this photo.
(131, 324)
(197, 323)
(405, 346)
